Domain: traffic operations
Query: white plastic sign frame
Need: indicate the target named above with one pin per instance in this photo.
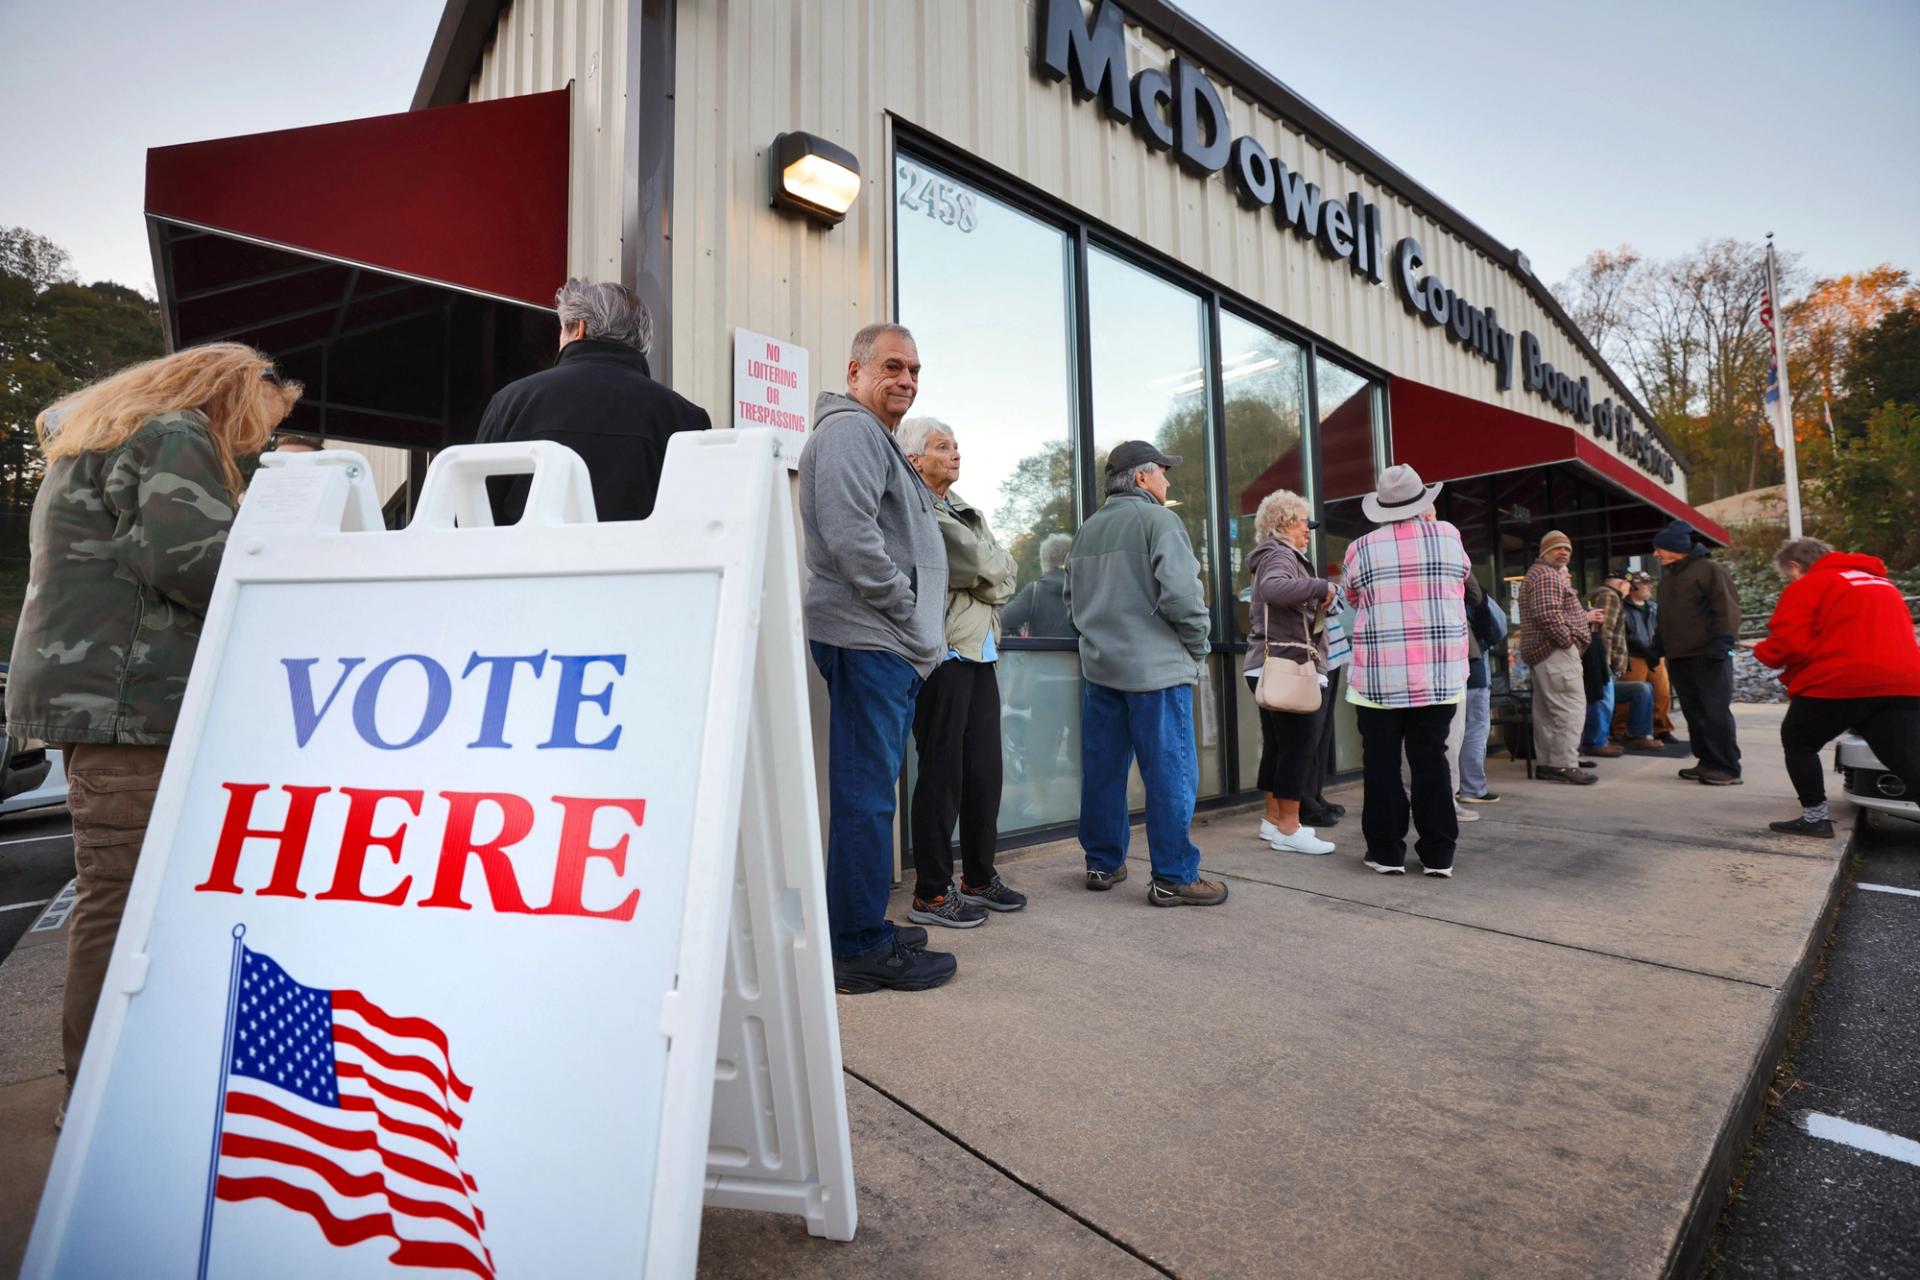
(751, 1109)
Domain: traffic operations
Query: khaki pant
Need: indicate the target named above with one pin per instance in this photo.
(110, 790)
(1559, 709)
(1637, 669)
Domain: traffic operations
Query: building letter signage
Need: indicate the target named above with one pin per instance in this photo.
(1179, 110)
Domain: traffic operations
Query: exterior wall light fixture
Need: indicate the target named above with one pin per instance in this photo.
(814, 177)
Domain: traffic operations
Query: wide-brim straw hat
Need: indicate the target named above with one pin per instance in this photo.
(1400, 496)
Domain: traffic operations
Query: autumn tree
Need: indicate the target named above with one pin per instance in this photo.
(1822, 328)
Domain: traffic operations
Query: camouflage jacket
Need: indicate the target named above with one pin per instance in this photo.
(125, 548)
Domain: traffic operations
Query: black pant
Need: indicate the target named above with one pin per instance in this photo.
(1705, 686)
(1421, 733)
(1320, 760)
(956, 726)
(1288, 743)
(1891, 727)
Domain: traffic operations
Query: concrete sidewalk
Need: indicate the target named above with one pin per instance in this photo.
(1539, 1067)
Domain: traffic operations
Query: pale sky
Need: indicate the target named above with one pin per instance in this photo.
(1559, 128)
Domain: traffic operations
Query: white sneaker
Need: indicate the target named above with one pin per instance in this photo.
(1270, 833)
(1301, 841)
(1463, 813)
(1386, 870)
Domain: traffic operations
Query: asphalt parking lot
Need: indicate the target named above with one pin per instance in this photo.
(1834, 1184)
(36, 860)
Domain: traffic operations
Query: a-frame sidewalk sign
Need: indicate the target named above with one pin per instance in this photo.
(480, 926)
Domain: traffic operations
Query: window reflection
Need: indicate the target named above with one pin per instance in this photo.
(1150, 383)
(988, 300)
(1263, 377)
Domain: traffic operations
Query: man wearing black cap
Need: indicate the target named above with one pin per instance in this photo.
(1697, 631)
(1133, 588)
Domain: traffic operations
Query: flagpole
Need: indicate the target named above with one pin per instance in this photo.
(220, 1100)
(1787, 450)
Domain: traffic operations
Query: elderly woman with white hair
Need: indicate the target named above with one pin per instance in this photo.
(1286, 599)
(956, 718)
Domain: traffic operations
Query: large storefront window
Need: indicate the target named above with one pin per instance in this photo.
(1151, 377)
(1352, 453)
(988, 298)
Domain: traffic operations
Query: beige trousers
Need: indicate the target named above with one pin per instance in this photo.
(110, 790)
(1559, 709)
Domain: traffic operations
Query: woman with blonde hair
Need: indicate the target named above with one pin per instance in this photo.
(143, 476)
(1286, 598)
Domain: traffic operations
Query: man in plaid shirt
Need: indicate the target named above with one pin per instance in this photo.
(1407, 583)
(1554, 630)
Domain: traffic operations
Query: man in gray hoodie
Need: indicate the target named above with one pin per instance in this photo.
(1133, 587)
(876, 603)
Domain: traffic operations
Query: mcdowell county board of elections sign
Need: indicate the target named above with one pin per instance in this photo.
(423, 964)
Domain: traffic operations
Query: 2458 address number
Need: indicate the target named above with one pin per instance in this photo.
(939, 199)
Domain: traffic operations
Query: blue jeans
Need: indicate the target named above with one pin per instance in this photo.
(870, 697)
(1157, 728)
(1599, 731)
(1473, 745)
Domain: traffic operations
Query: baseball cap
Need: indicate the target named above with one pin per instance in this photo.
(1134, 454)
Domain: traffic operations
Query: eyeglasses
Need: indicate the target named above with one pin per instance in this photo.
(272, 375)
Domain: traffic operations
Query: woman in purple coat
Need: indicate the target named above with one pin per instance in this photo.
(1286, 600)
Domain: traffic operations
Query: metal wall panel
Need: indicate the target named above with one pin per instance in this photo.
(540, 45)
(962, 70)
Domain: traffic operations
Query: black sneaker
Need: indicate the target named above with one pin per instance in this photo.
(994, 897)
(1319, 818)
(1489, 798)
(1199, 893)
(949, 910)
(1801, 827)
(1337, 810)
(910, 936)
(1104, 880)
(897, 968)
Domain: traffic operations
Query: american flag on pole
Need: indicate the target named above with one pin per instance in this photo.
(349, 1115)
(1772, 398)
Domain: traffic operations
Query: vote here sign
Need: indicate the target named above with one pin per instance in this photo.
(418, 917)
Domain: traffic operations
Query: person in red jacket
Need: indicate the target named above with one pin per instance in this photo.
(1844, 642)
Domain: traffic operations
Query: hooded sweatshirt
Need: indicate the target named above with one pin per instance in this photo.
(1842, 631)
(1699, 609)
(876, 562)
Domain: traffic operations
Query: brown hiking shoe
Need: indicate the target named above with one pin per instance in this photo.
(1200, 893)
(1608, 752)
(1645, 744)
(1577, 777)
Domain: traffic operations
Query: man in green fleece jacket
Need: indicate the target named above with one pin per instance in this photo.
(1133, 587)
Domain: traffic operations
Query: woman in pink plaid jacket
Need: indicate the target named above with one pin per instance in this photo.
(1407, 583)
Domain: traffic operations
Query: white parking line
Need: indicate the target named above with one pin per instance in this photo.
(1887, 888)
(1860, 1137)
(22, 906)
(64, 835)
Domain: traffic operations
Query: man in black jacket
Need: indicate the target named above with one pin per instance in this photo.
(599, 400)
(1696, 631)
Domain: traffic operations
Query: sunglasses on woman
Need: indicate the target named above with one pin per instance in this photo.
(272, 375)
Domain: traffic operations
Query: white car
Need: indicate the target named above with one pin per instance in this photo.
(1867, 783)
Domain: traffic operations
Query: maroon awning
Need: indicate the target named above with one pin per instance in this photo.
(1451, 437)
(389, 263)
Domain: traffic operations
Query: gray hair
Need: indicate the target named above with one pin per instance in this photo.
(610, 311)
(1800, 551)
(1277, 510)
(1054, 549)
(912, 434)
(868, 338)
(1128, 481)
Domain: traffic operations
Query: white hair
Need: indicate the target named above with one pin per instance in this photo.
(912, 434)
(1054, 549)
(1129, 480)
(1277, 510)
(610, 311)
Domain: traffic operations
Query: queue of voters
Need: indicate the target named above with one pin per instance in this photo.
(908, 597)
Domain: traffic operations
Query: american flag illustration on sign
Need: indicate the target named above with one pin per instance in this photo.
(336, 1109)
